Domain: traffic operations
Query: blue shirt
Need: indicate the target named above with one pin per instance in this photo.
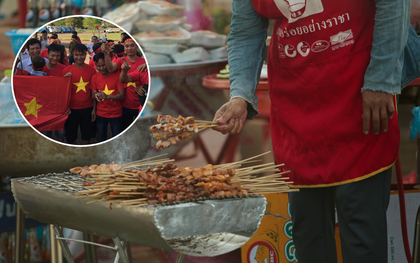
(37, 73)
(395, 55)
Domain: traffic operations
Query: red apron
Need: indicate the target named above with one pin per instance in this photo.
(318, 56)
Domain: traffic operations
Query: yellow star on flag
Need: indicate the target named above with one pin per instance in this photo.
(131, 84)
(32, 108)
(107, 91)
(81, 85)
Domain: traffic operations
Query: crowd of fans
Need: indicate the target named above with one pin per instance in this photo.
(110, 89)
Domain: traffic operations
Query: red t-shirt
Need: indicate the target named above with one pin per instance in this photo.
(80, 89)
(55, 72)
(92, 63)
(44, 53)
(131, 100)
(110, 85)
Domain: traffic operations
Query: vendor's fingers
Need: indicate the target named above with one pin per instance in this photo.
(236, 126)
(390, 108)
(366, 119)
(376, 120)
(384, 118)
(125, 60)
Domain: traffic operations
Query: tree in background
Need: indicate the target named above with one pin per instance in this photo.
(91, 23)
(76, 22)
(59, 23)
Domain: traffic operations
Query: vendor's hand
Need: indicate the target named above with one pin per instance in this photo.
(232, 114)
(125, 66)
(68, 111)
(142, 67)
(378, 107)
(68, 74)
(101, 96)
(140, 90)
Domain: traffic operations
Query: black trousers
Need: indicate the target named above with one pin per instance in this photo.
(361, 209)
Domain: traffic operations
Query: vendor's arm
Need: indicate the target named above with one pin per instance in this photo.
(383, 75)
(109, 65)
(248, 32)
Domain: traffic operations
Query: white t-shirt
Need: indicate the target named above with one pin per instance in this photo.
(90, 46)
(44, 43)
(104, 37)
(27, 64)
(25, 55)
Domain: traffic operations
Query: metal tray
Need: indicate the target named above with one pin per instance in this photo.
(200, 228)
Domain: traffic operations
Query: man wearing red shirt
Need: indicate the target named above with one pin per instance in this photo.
(53, 68)
(44, 53)
(82, 112)
(109, 92)
(138, 77)
(131, 102)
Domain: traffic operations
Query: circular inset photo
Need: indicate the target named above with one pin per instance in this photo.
(80, 80)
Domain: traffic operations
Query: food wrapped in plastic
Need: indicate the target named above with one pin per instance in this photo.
(160, 8)
(176, 35)
(218, 53)
(157, 59)
(126, 13)
(207, 39)
(159, 23)
(167, 49)
(128, 27)
(191, 55)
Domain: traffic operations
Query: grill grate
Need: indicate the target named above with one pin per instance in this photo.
(60, 181)
(67, 181)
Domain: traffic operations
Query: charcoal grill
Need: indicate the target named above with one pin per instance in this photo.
(199, 227)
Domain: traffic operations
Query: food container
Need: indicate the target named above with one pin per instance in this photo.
(159, 23)
(175, 35)
(207, 39)
(162, 48)
(160, 8)
(126, 13)
(190, 55)
(157, 59)
(218, 53)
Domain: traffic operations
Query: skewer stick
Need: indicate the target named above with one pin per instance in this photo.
(203, 121)
(256, 166)
(250, 158)
(142, 160)
(101, 192)
(134, 200)
(258, 170)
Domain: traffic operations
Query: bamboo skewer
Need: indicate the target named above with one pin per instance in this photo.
(142, 160)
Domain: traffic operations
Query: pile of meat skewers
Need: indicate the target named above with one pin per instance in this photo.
(176, 129)
(165, 182)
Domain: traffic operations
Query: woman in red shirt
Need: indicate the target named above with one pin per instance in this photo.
(108, 92)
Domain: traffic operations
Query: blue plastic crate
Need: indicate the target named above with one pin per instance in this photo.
(17, 39)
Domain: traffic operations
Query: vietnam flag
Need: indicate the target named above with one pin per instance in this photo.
(43, 100)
